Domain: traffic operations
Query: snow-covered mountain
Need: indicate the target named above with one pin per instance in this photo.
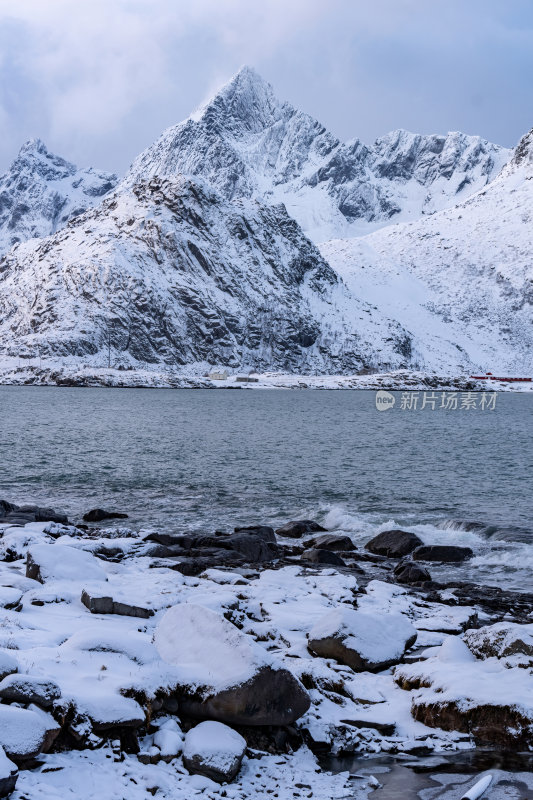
(465, 274)
(40, 192)
(198, 257)
(247, 143)
(172, 272)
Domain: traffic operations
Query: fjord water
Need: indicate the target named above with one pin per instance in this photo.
(212, 459)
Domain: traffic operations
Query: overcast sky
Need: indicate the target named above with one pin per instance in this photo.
(98, 80)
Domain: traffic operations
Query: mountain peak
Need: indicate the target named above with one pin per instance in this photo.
(524, 150)
(33, 147)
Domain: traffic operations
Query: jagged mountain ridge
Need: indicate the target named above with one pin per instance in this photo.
(171, 272)
(466, 269)
(247, 143)
(40, 192)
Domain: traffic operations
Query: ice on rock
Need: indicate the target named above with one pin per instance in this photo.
(214, 750)
(46, 562)
(362, 640)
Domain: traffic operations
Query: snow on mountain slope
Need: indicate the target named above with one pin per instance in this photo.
(171, 272)
(247, 143)
(40, 192)
(464, 274)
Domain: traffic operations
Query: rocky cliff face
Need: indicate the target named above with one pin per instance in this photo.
(247, 143)
(169, 271)
(40, 192)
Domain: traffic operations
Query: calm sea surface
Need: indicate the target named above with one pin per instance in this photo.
(200, 459)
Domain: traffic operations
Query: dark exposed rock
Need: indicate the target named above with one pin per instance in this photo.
(264, 532)
(8, 779)
(21, 515)
(299, 528)
(106, 605)
(316, 556)
(331, 541)
(410, 573)
(99, 514)
(393, 543)
(442, 552)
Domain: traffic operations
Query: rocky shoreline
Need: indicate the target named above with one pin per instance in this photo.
(13, 372)
(181, 662)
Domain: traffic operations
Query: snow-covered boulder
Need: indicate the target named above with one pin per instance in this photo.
(8, 665)
(169, 740)
(22, 733)
(224, 674)
(457, 692)
(8, 774)
(29, 689)
(60, 562)
(214, 750)
(502, 640)
(361, 640)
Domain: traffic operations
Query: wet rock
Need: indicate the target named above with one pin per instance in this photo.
(298, 528)
(29, 689)
(502, 640)
(411, 573)
(362, 641)
(8, 774)
(442, 552)
(99, 514)
(252, 547)
(232, 678)
(184, 541)
(214, 750)
(394, 543)
(331, 541)
(316, 556)
(106, 605)
(22, 733)
(264, 532)
(21, 515)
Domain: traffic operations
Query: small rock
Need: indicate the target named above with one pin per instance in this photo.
(106, 605)
(411, 573)
(214, 750)
(442, 552)
(331, 541)
(394, 543)
(98, 514)
(315, 556)
(29, 689)
(298, 528)
(169, 740)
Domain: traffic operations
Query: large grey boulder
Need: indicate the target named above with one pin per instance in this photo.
(223, 674)
(442, 552)
(214, 750)
(299, 527)
(394, 543)
(361, 640)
